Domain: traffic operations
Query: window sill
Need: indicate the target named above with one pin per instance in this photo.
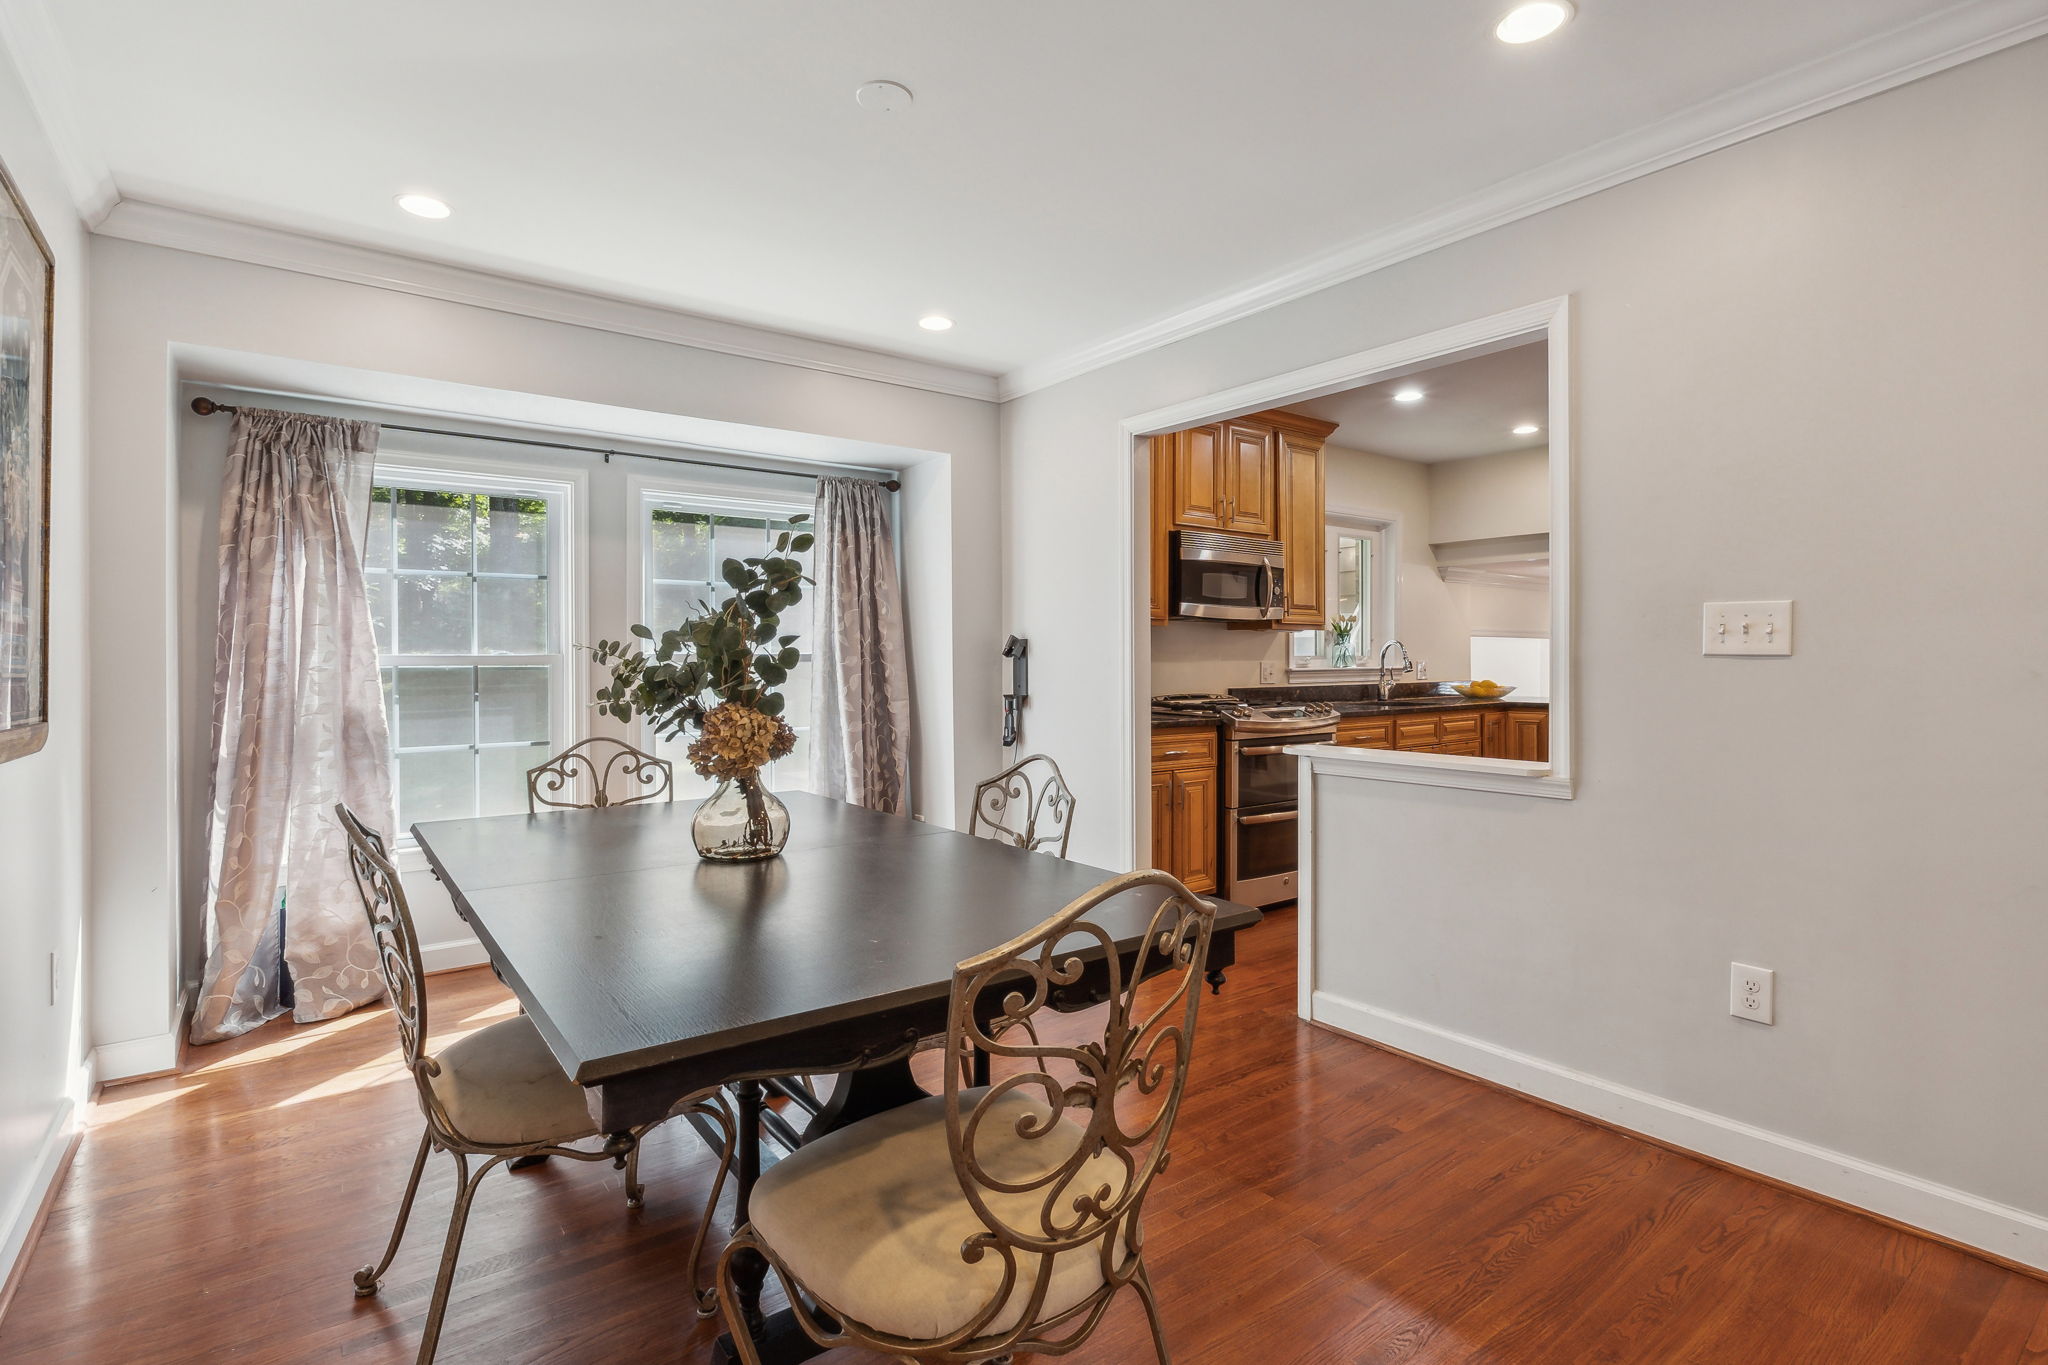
(1508, 776)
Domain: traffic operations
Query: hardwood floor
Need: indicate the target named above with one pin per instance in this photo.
(1328, 1202)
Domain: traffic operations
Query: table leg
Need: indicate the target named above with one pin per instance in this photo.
(1215, 979)
(749, 1270)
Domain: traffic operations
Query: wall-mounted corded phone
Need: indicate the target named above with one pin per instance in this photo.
(1015, 650)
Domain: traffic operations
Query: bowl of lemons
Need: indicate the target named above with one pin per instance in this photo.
(1486, 689)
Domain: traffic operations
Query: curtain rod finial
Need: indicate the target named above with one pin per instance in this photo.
(205, 406)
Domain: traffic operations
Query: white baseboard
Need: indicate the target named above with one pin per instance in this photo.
(22, 1215)
(452, 955)
(2000, 1229)
(149, 1056)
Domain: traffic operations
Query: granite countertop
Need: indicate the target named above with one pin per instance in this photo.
(1181, 720)
(1448, 702)
(1359, 699)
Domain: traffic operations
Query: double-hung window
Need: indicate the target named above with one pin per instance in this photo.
(469, 592)
(685, 535)
(1358, 582)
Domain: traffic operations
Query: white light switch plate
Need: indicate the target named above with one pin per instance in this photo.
(1753, 628)
(1271, 673)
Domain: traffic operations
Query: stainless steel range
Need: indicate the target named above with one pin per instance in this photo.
(1261, 795)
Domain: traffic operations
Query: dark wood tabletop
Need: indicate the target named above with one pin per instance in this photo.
(632, 955)
(654, 975)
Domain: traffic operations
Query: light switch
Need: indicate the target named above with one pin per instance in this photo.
(1755, 628)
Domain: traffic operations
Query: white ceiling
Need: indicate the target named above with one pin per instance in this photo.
(1074, 176)
(1468, 407)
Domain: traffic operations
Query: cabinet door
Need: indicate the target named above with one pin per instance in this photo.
(1199, 477)
(1162, 526)
(1493, 735)
(1166, 837)
(1247, 475)
(1529, 734)
(1416, 735)
(1196, 795)
(1300, 485)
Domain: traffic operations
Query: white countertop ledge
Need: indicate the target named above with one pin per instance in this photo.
(1511, 776)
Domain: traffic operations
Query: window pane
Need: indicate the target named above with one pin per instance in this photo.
(796, 696)
(501, 777)
(512, 616)
(436, 706)
(379, 587)
(433, 530)
(792, 772)
(682, 545)
(675, 602)
(377, 542)
(512, 705)
(434, 615)
(436, 786)
(744, 538)
(512, 536)
(797, 621)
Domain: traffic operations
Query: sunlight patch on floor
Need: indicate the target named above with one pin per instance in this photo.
(124, 1104)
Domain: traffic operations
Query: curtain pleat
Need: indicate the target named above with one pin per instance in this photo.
(298, 725)
(860, 735)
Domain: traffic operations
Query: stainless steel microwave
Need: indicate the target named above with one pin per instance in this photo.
(1228, 578)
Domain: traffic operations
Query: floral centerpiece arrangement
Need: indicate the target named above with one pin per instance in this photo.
(717, 673)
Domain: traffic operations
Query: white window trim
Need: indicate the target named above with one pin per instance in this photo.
(738, 494)
(568, 567)
(1385, 588)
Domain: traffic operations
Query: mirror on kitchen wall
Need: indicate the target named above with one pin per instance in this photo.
(1369, 568)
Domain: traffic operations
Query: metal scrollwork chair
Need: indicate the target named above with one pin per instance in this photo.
(600, 761)
(496, 1094)
(1001, 1218)
(1027, 805)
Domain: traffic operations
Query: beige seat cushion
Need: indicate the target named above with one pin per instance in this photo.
(503, 1088)
(871, 1219)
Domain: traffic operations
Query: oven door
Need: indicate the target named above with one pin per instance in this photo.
(1263, 856)
(1262, 773)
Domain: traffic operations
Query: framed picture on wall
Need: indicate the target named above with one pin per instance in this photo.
(26, 298)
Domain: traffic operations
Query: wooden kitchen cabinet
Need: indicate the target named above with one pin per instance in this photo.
(1527, 734)
(1259, 476)
(1162, 527)
(1186, 793)
(1298, 482)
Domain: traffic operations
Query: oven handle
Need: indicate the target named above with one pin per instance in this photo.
(1251, 749)
(1275, 818)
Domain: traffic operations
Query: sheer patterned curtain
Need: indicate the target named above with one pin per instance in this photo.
(298, 724)
(860, 736)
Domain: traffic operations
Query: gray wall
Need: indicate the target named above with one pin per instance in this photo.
(1809, 366)
(42, 796)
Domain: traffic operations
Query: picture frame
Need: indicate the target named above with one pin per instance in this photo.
(27, 312)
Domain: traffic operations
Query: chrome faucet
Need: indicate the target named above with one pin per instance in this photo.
(1407, 666)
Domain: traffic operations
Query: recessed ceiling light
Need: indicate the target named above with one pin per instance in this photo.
(1527, 429)
(883, 97)
(1408, 395)
(935, 322)
(1527, 23)
(423, 206)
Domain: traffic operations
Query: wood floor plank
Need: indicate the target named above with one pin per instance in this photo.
(1329, 1203)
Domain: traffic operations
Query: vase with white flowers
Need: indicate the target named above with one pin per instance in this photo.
(717, 673)
(1341, 628)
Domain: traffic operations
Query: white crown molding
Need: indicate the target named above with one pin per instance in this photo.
(44, 63)
(183, 230)
(1949, 38)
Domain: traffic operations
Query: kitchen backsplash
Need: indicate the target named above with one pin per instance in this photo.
(1203, 656)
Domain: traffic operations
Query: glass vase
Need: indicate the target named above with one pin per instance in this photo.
(1340, 652)
(740, 822)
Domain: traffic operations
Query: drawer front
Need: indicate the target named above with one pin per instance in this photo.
(1418, 733)
(1456, 729)
(1366, 732)
(1184, 749)
(1467, 747)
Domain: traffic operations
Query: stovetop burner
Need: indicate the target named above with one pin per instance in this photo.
(1247, 719)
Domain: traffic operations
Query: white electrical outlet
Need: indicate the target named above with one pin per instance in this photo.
(1752, 628)
(1270, 672)
(1752, 992)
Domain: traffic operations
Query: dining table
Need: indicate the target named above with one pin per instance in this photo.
(654, 974)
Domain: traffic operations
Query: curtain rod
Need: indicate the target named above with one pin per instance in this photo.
(206, 407)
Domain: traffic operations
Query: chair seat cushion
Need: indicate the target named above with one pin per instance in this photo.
(503, 1088)
(871, 1219)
